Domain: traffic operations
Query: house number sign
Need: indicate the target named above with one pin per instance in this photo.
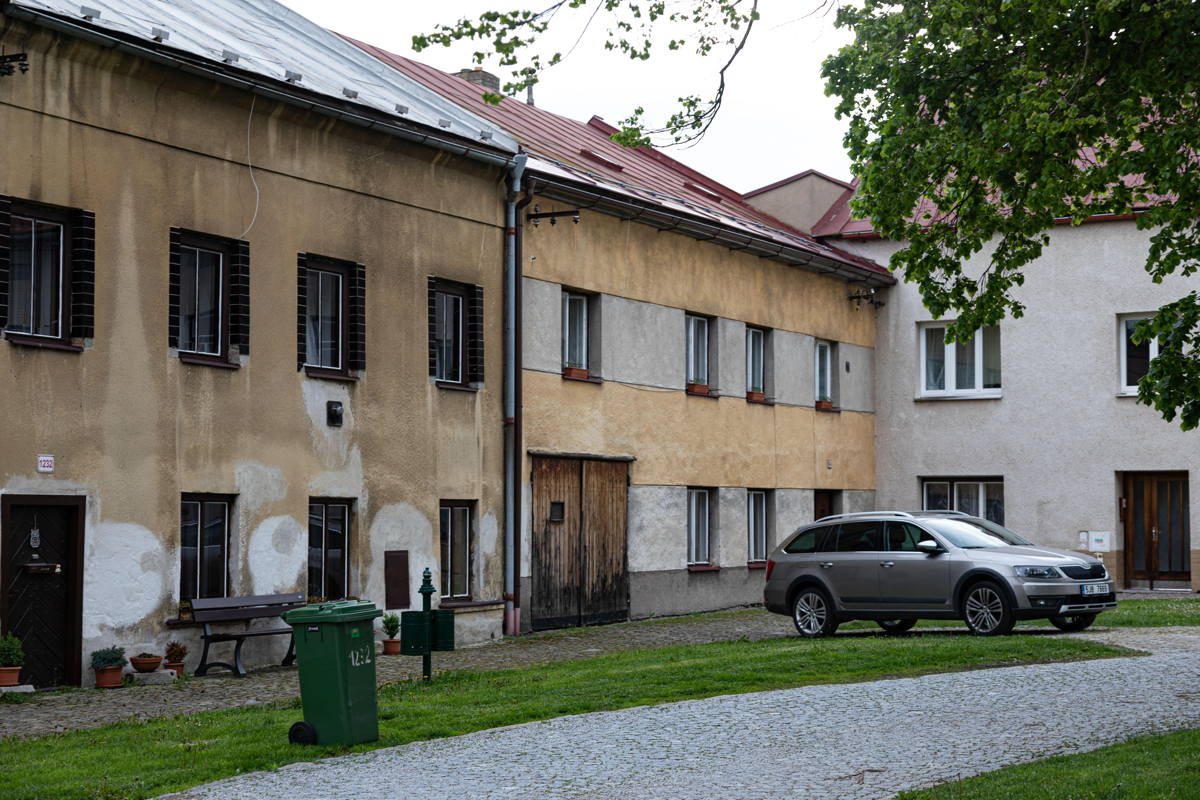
(45, 463)
(35, 539)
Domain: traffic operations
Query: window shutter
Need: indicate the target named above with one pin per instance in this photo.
(358, 318)
(475, 335)
(239, 298)
(395, 579)
(83, 274)
(432, 285)
(173, 290)
(301, 309)
(5, 250)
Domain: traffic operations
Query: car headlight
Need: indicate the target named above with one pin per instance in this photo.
(1038, 573)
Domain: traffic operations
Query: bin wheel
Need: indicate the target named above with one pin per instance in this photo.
(302, 733)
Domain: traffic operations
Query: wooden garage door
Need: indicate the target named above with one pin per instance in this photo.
(579, 542)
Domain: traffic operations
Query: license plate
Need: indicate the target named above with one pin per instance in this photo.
(1094, 588)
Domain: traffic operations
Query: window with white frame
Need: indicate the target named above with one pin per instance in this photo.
(203, 545)
(756, 373)
(757, 536)
(458, 548)
(699, 545)
(824, 376)
(1135, 358)
(328, 539)
(36, 276)
(575, 330)
(697, 350)
(326, 299)
(959, 368)
(978, 497)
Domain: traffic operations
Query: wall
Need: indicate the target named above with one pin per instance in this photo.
(800, 203)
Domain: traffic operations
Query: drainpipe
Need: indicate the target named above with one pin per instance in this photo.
(512, 486)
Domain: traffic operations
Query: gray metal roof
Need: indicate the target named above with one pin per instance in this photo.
(269, 39)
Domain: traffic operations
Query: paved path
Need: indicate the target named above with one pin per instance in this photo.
(866, 740)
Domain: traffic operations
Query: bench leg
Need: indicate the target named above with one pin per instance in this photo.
(290, 658)
(238, 668)
(202, 670)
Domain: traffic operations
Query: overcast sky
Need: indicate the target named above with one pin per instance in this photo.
(776, 120)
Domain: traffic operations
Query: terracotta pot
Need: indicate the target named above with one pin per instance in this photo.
(178, 667)
(756, 397)
(10, 676)
(108, 677)
(697, 388)
(391, 647)
(824, 405)
(578, 373)
(146, 664)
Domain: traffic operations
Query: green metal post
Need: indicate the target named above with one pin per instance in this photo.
(426, 591)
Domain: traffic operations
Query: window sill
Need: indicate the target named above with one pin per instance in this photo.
(705, 392)
(758, 398)
(329, 374)
(182, 623)
(207, 361)
(588, 379)
(830, 410)
(456, 387)
(1132, 395)
(756, 565)
(26, 340)
(703, 568)
(470, 605)
(926, 398)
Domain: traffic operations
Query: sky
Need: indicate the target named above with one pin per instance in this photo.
(775, 122)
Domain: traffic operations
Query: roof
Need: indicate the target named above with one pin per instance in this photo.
(266, 39)
(564, 149)
(798, 176)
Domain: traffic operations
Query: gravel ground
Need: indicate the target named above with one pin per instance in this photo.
(865, 740)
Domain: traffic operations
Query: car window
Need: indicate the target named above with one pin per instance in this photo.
(903, 537)
(858, 536)
(813, 540)
(969, 534)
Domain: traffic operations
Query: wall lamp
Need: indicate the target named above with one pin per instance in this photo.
(537, 216)
(13, 62)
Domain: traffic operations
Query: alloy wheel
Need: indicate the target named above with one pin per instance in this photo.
(810, 613)
(984, 609)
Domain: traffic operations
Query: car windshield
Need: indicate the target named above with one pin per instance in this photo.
(972, 534)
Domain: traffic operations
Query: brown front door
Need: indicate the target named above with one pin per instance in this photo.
(41, 547)
(823, 500)
(579, 542)
(1157, 538)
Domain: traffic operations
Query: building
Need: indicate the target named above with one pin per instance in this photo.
(1035, 423)
(251, 298)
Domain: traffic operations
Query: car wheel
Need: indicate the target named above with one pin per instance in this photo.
(812, 611)
(987, 611)
(895, 626)
(1073, 622)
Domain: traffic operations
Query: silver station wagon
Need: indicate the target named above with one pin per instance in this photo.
(896, 567)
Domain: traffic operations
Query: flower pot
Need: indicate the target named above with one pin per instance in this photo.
(391, 647)
(10, 676)
(146, 664)
(578, 373)
(756, 397)
(108, 677)
(178, 667)
(697, 388)
(824, 405)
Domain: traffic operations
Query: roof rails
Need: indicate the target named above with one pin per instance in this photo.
(908, 514)
(939, 513)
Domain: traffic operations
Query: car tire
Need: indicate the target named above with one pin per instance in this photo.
(896, 626)
(812, 613)
(987, 610)
(1073, 622)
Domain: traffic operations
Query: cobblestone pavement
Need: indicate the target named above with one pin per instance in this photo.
(866, 740)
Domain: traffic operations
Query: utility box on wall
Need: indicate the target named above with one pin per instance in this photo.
(1096, 541)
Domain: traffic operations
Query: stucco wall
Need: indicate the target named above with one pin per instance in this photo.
(1060, 435)
(146, 149)
(800, 203)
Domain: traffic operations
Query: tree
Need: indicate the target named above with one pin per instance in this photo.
(978, 123)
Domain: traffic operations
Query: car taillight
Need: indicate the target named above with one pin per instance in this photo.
(770, 566)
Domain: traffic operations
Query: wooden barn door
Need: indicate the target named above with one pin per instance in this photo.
(579, 542)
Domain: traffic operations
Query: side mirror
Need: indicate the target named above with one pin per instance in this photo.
(929, 547)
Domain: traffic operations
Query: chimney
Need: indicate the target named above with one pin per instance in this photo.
(480, 78)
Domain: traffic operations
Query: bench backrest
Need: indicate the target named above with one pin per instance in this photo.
(229, 609)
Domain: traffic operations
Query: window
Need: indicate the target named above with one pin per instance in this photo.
(47, 274)
(757, 522)
(203, 546)
(860, 536)
(904, 536)
(455, 333)
(697, 351)
(699, 545)
(328, 546)
(813, 540)
(575, 330)
(824, 377)
(979, 497)
(331, 331)
(959, 368)
(756, 371)
(457, 548)
(209, 309)
(1135, 358)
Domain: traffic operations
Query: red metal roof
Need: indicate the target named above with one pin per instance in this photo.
(587, 150)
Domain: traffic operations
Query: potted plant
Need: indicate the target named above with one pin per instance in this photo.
(12, 658)
(756, 395)
(108, 662)
(391, 627)
(145, 662)
(824, 403)
(697, 388)
(176, 653)
(578, 373)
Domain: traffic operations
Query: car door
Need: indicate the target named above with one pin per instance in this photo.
(909, 578)
(853, 571)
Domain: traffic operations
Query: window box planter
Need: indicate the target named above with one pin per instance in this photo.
(756, 397)
(576, 373)
(697, 388)
(824, 405)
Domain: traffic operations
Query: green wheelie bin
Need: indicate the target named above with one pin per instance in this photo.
(335, 646)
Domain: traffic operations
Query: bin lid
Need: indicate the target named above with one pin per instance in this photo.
(334, 611)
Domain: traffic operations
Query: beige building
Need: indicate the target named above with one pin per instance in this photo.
(251, 301)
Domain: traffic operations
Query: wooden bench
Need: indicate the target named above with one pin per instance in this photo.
(234, 609)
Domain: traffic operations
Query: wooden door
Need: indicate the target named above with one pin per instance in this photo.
(42, 549)
(823, 503)
(579, 537)
(1157, 535)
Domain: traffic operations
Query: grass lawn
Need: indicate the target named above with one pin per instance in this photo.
(1150, 612)
(141, 759)
(1151, 768)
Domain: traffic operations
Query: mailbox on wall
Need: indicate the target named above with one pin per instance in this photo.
(1096, 541)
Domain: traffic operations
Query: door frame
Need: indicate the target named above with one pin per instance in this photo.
(74, 632)
(1151, 506)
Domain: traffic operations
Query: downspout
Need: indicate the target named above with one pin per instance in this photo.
(512, 486)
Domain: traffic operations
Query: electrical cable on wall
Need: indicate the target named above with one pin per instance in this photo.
(257, 194)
